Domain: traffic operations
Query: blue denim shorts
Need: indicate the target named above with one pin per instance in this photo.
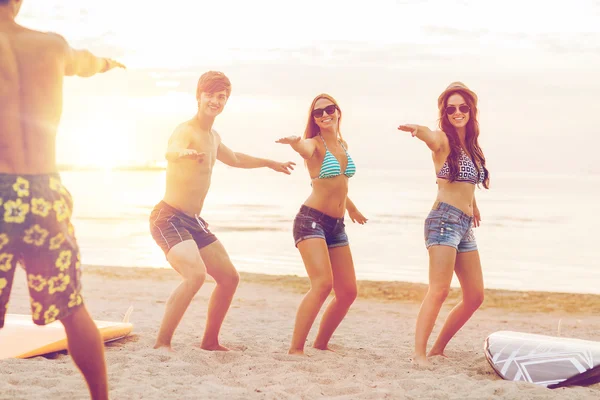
(448, 226)
(310, 223)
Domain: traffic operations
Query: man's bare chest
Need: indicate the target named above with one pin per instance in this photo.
(206, 143)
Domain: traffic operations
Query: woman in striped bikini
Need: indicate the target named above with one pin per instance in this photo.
(319, 231)
(460, 166)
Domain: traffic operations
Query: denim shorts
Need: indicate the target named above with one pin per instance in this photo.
(310, 223)
(448, 226)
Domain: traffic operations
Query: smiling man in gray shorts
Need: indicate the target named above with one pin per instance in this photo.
(175, 223)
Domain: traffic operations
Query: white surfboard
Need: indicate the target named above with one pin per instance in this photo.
(544, 360)
(21, 338)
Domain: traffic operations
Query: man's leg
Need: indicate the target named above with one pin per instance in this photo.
(219, 266)
(8, 263)
(52, 260)
(87, 350)
(185, 259)
(54, 281)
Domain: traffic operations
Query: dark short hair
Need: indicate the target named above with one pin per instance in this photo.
(213, 81)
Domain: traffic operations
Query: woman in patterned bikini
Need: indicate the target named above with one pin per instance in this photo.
(319, 231)
(460, 166)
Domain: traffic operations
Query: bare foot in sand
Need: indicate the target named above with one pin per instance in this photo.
(164, 347)
(420, 362)
(295, 352)
(213, 347)
(433, 353)
(325, 348)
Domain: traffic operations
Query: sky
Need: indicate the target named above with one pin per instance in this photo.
(534, 66)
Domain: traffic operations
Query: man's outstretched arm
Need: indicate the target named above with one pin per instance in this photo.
(83, 63)
(241, 160)
(178, 146)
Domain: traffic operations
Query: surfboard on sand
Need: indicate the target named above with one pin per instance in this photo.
(544, 360)
(21, 338)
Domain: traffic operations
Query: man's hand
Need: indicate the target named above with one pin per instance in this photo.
(110, 64)
(191, 154)
(286, 167)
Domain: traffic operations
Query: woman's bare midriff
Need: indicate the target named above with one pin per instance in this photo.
(457, 194)
(329, 196)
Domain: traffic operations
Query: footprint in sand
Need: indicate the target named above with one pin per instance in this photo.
(162, 357)
(238, 347)
(226, 357)
(421, 367)
(292, 358)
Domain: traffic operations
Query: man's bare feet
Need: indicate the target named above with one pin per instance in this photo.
(164, 347)
(420, 362)
(213, 347)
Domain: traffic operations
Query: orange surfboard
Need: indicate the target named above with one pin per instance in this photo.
(21, 338)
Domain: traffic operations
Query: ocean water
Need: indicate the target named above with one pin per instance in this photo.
(531, 237)
(536, 78)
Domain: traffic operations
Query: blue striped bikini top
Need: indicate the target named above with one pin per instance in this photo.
(330, 168)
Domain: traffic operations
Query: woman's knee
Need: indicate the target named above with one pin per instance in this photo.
(438, 293)
(321, 286)
(346, 294)
(473, 300)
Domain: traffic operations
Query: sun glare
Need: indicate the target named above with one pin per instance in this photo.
(106, 145)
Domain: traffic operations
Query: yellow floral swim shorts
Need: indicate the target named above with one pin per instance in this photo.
(36, 231)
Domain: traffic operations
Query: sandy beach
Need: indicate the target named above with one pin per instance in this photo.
(373, 344)
(202, 104)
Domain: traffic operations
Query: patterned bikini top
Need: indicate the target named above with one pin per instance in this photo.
(330, 168)
(467, 171)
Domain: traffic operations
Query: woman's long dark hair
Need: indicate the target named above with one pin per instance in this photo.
(470, 141)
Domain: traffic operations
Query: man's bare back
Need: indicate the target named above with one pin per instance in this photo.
(32, 196)
(32, 66)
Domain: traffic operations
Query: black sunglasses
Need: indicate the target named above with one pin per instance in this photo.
(318, 112)
(463, 108)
